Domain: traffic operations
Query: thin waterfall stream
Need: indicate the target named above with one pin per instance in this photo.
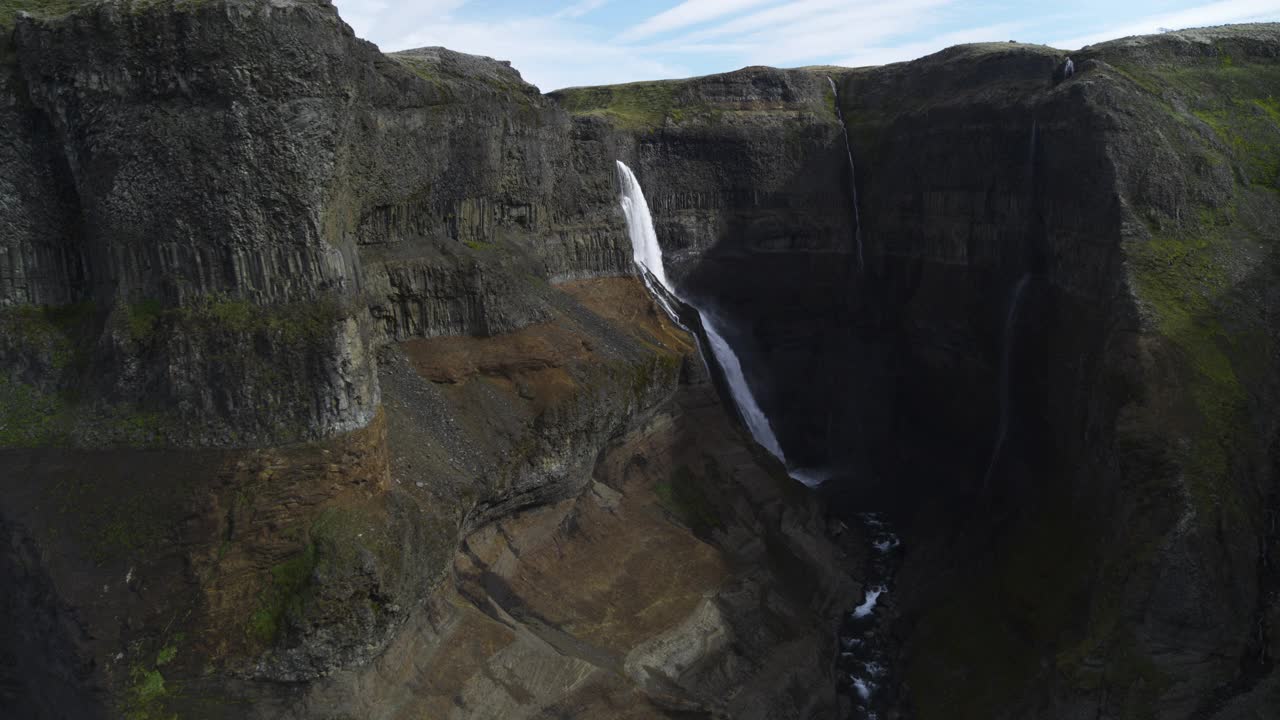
(863, 659)
(853, 172)
(1006, 363)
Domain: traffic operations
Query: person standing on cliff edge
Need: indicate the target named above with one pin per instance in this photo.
(1068, 70)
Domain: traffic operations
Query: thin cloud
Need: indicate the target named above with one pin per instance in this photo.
(686, 14)
(581, 8)
(911, 51)
(1218, 13)
(799, 34)
(549, 52)
(768, 18)
(374, 19)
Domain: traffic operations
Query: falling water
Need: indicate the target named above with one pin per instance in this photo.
(1031, 154)
(863, 659)
(1010, 324)
(647, 254)
(853, 173)
(645, 250)
(750, 410)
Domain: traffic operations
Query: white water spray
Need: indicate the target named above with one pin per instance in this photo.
(853, 172)
(645, 250)
(868, 605)
(1006, 355)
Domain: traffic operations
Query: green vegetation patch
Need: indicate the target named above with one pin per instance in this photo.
(300, 323)
(635, 106)
(661, 372)
(1181, 279)
(148, 692)
(9, 9)
(284, 596)
(1184, 273)
(1238, 100)
(29, 416)
(52, 335)
(337, 543)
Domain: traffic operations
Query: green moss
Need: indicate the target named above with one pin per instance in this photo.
(9, 9)
(297, 322)
(660, 371)
(29, 416)
(337, 542)
(166, 655)
(642, 105)
(1250, 130)
(55, 334)
(141, 319)
(289, 581)
(1181, 278)
(420, 67)
(148, 693)
(478, 245)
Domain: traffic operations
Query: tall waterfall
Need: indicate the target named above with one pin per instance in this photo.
(645, 250)
(1006, 356)
(853, 173)
(750, 410)
(647, 254)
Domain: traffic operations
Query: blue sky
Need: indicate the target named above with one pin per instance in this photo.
(562, 43)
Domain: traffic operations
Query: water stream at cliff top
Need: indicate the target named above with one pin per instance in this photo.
(853, 172)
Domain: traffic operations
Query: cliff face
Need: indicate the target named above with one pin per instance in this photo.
(327, 392)
(748, 179)
(1138, 199)
(1100, 253)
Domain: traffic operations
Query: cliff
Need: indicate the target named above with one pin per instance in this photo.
(327, 389)
(328, 392)
(1099, 252)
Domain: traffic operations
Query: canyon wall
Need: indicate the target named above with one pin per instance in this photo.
(1103, 247)
(327, 390)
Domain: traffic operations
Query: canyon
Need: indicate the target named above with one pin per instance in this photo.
(330, 386)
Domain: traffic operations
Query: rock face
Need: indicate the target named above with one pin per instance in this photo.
(326, 390)
(1111, 555)
(327, 393)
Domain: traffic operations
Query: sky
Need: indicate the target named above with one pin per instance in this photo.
(565, 43)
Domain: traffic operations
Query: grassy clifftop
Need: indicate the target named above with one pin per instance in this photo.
(751, 92)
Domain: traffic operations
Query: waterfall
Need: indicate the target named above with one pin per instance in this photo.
(1006, 355)
(853, 173)
(1031, 153)
(647, 254)
(645, 250)
(750, 410)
